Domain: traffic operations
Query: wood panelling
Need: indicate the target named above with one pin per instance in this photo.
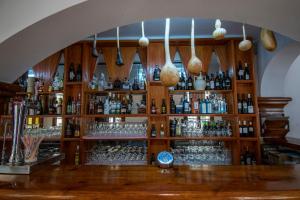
(204, 53)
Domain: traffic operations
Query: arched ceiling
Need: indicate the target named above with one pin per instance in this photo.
(46, 36)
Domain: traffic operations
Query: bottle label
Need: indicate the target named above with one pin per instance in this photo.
(203, 108)
(250, 109)
(241, 72)
(247, 77)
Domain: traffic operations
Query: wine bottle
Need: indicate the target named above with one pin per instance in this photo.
(156, 73)
(172, 128)
(78, 105)
(241, 129)
(183, 82)
(163, 107)
(190, 85)
(217, 82)
(240, 105)
(244, 105)
(212, 82)
(240, 72)
(77, 157)
(186, 105)
(162, 130)
(250, 129)
(72, 72)
(246, 72)
(227, 82)
(250, 108)
(69, 106)
(207, 79)
(153, 131)
(153, 107)
(73, 106)
(172, 105)
(79, 73)
(245, 129)
(59, 107)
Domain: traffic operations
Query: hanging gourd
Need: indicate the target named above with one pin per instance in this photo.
(245, 44)
(94, 51)
(119, 61)
(143, 41)
(195, 65)
(219, 32)
(169, 75)
(268, 39)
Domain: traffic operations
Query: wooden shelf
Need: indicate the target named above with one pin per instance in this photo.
(74, 83)
(44, 116)
(115, 115)
(23, 93)
(198, 91)
(209, 115)
(52, 92)
(6, 116)
(159, 138)
(71, 139)
(71, 116)
(205, 138)
(117, 91)
(254, 139)
(247, 115)
(244, 81)
(158, 115)
(112, 138)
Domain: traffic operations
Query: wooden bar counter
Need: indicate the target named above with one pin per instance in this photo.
(145, 182)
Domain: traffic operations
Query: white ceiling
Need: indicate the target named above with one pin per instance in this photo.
(180, 28)
(42, 35)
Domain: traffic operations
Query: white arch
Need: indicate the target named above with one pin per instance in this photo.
(273, 80)
(29, 46)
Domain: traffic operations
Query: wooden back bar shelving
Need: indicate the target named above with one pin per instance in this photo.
(229, 55)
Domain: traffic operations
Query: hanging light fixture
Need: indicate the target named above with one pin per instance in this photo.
(245, 44)
(268, 39)
(143, 41)
(94, 51)
(119, 61)
(219, 32)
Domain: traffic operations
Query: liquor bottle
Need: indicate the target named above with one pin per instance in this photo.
(77, 157)
(68, 129)
(245, 129)
(190, 85)
(244, 105)
(227, 82)
(100, 108)
(72, 72)
(106, 106)
(153, 131)
(162, 130)
(172, 128)
(91, 105)
(129, 103)
(246, 72)
(250, 129)
(39, 109)
(76, 128)
(212, 82)
(185, 105)
(156, 73)
(69, 106)
(203, 106)
(240, 105)
(163, 107)
(217, 83)
(126, 84)
(59, 107)
(196, 106)
(135, 85)
(172, 105)
(223, 81)
(153, 107)
(240, 72)
(178, 128)
(250, 108)
(78, 105)
(124, 106)
(183, 82)
(73, 106)
(79, 73)
(152, 159)
(209, 108)
(51, 109)
(241, 129)
(207, 79)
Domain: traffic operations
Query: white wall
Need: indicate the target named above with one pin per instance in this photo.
(292, 89)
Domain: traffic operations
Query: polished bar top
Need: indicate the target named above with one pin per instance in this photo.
(145, 182)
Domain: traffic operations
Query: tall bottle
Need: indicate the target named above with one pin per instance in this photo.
(190, 85)
(72, 72)
(227, 81)
(162, 130)
(186, 105)
(245, 105)
(240, 104)
(69, 106)
(153, 107)
(240, 72)
(212, 82)
(217, 82)
(59, 107)
(251, 129)
(245, 129)
(163, 107)
(246, 72)
(78, 105)
(79, 73)
(153, 131)
(172, 105)
(156, 73)
(250, 107)
(183, 82)
(77, 156)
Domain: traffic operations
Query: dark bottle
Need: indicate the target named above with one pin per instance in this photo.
(135, 85)
(244, 105)
(227, 82)
(156, 73)
(76, 128)
(245, 129)
(172, 128)
(240, 72)
(190, 85)
(152, 159)
(163, 107)
(207, 82)
(241, 129)
(223, 81)
(77, 156)
(117, 84)
(240, 105)
(39, 108)
(212, 82)
(250, 129)
(186, 105)
(153, 131)
(92, 105)
(246, 72)
(172, 105)
(250, 108)
(79, 73)
(72, 72)
(69, 106)
(124, 106)
(100, 107)
(153, 107)
(217, 82)
(248, 157)
(69, 131)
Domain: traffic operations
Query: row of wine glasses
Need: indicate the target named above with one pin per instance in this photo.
(118, 154)
(201, 153)
(119, 129)
(48, 133)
